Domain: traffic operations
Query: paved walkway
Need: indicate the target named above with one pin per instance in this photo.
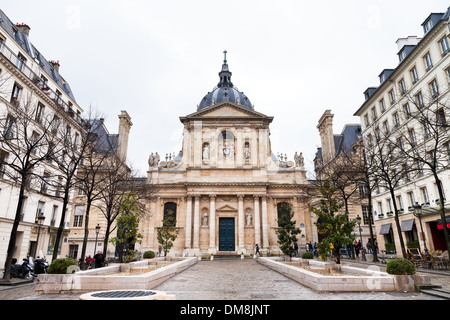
(249, 280)
(239, 280)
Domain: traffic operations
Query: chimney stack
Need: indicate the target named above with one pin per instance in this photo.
(55, 65)
(124, 131)
(23, 28)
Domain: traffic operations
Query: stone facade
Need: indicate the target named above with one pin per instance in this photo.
(225, 170)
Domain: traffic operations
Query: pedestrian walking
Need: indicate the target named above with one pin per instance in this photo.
(295, 249)
(257, 250)
(369, 246)
(99, 259)
(357, 247)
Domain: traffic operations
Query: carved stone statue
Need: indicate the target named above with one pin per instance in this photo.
(247, 152)
(156, 159)
(151, 160)
(205, 219)
(299, 161)
(249, 218)
(206, 151)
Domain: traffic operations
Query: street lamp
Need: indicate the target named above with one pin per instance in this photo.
(363, 255)
(40, 221)
(418, 213)
(97, 231)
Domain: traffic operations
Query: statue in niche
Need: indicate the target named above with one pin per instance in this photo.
(205, 219)
(247, 152)
(249, 218)
(205, 154)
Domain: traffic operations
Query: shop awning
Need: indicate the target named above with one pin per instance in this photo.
(385, 228)
(440, 226)
(407, 225)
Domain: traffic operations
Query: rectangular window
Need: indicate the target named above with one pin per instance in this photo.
(39, 112)
(399, 202)
(425, 198)
(447, 147)
(447, 72)
(45, 180)
(402, 86)
(33, 141)
(419, 168)
(443, 43)
(434, 89)
(374, 113)
(54, 212)
(411, 199)
(419, 100)
(386, 127)
(365, 214)
(366, 120)
(3, 159)
(20, 61)
(414, 75)
(391, 97)
(40, 209)
(428, 61)
(406, 176)
(380, 207)
(412, 137)
(407, 111)
(440, 118)
(8, 132)
(78, 216)
(15, 96)
(383, 106)
(426, 130)
(55, 124)
(396, 120)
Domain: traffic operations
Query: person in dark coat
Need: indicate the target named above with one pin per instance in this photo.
(99, 259)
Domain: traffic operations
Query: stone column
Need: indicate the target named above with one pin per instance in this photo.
(212, 222)
(257, 221)
(196, 244)
(188, 222)
(265, 223)
(241, 223)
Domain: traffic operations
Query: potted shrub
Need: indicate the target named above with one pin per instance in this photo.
(307, 255)
(390, 246)
(400, 267)
(149, 254)
(59, 266)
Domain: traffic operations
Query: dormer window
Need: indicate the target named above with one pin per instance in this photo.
(20, 61)
(427, 26)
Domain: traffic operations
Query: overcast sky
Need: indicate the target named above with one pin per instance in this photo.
(158, 59)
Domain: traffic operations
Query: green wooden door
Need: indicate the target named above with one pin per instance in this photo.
(226, 234)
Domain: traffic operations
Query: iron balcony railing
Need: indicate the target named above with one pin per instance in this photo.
(31, 75)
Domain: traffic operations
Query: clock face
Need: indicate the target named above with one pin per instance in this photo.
(226, 151)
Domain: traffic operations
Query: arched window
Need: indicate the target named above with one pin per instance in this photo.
(281, 207)
(170, 214)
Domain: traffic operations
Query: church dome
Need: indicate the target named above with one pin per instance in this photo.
(225, 91)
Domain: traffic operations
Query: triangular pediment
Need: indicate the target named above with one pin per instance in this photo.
(227, 208)
(226, 110)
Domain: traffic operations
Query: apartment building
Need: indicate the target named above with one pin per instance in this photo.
(338, 158)
(32, 91)
(407, 112)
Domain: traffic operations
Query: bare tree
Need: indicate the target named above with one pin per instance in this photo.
(383, 160)
(426, 141)
(26, 142)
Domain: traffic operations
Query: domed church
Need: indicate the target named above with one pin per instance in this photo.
(225, 186)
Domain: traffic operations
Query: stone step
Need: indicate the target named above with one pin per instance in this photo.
(437, 293)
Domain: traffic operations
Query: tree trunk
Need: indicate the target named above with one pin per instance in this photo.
(86, 233)
(61, 224)
(13, 236)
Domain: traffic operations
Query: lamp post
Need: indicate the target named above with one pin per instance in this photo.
(97, 231)
(40, 221)
(363, 255)
(418, 213)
